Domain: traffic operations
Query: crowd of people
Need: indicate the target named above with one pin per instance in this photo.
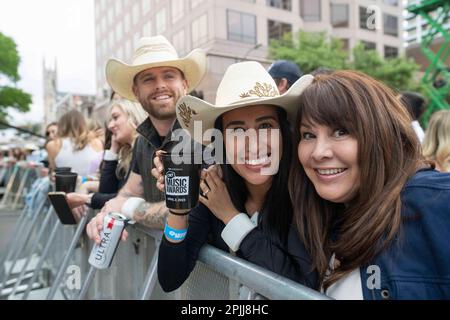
(357, 185)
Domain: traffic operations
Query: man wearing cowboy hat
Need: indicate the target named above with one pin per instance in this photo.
(157, 78)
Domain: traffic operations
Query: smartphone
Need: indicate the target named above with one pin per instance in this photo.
(59, 203)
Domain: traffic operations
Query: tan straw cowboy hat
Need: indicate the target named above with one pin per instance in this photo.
(153, 52)
(244, 84)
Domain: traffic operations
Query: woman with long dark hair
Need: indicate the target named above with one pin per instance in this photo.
(245, 205)
(374, 216)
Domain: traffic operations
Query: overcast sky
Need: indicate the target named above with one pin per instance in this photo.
(61, 29)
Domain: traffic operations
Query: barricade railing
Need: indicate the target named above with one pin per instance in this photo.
(23, 245)
(19, 177)
(61, 269)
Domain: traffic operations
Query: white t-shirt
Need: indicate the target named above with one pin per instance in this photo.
(84, 162)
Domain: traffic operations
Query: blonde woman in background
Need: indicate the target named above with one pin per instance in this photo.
(124, 118)
(436, 145)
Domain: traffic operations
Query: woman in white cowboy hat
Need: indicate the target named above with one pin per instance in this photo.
(242, 209)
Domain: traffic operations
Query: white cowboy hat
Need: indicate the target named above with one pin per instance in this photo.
(244, 84)
(154, 52)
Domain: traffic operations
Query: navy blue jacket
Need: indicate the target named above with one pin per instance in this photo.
(416, 265)
(177, 260)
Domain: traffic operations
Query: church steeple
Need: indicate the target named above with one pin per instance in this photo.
(50, 91)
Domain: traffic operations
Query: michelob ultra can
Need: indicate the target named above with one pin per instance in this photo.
(102, 254)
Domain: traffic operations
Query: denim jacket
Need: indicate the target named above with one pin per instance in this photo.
(416, 265)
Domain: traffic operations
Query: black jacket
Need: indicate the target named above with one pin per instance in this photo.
(176, 261)
(109, 185)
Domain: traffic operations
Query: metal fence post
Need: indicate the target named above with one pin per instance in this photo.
(20, 247)
(87, 282)
(21, 187)
(16, 233)
(62, 268)
(152, 275)
(42, 259)
(33, 250)
(9, 186)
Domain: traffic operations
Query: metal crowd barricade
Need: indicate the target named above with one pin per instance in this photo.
(27, 238)
(40, 265)
(10, 185)
(33, 250)
(21, 177)
(19, 247)
(150, 279)
(217, 275)
(133, 273)
(15, 234)
(3, 172)
(62, 268)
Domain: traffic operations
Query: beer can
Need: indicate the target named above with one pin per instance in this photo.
(102, 254)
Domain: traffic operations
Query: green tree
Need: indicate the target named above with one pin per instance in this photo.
(10, 95)
(397, 73)
(314, 50)
(310, 51)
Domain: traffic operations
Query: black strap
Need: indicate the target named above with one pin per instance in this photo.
(179, 214)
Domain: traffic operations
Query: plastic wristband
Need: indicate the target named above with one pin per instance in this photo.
(83, 179)
(174, 234)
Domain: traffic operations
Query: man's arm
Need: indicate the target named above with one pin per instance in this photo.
(149, 214)
(133, 187)
(152, 215)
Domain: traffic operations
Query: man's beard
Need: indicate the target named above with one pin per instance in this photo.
(157, 112)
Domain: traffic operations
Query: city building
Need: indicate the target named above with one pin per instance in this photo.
(236, 30)
(56, 103)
